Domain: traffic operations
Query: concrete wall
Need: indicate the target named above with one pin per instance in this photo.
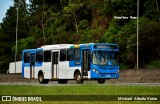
(12, 77)
(139, 75)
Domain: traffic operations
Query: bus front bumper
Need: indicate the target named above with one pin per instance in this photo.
(95, 74)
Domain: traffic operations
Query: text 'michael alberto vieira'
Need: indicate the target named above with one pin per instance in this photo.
(137, 98)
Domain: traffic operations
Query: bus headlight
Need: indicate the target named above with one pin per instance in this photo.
(117, 72)
(96, 71)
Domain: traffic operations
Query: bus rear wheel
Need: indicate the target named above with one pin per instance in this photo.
(62, 81)
(78, 78)
(41, 78)
(101, 81)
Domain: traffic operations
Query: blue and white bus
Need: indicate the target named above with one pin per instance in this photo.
(63, 62)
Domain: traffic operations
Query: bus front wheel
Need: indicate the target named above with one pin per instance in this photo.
(78, 78)
(101, 81)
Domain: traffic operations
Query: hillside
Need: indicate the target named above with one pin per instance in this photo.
(83, 21)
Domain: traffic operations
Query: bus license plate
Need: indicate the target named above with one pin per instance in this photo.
(107, 75)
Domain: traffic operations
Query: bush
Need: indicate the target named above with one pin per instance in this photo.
(153, 64)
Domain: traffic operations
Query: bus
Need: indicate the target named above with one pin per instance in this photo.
(63, 62)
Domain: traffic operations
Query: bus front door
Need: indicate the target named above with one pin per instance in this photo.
(54, 65)
(85, 62)
(32, 64)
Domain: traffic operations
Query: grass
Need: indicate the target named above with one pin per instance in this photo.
(81, 90)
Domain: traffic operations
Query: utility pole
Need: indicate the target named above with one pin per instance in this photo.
(17, 8)
(137, 34)
(16, 37)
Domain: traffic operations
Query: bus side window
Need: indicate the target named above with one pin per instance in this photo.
(77, 54)
(63, 54)
(27, 57)
(47, 56)
(70, 54)
(39, 56)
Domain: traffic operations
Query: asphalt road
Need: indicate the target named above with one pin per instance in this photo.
(73, 83)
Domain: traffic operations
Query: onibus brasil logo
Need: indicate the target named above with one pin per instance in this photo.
(21, 98)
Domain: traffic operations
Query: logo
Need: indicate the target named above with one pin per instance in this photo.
(6, 98)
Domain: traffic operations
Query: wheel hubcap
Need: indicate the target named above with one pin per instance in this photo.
(78, 77)
(40, 78)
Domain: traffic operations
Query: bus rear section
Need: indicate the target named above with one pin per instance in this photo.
(51, 62)
(28, 63)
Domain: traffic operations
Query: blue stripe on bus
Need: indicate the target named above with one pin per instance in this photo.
(74, 64)
(36, 64)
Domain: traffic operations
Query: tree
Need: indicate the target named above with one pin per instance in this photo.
(80, 21)
(152, 9)
(8, 34)
(149, 38)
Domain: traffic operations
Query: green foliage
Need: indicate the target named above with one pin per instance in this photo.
(149, 40)
(88, 36)
(125, 37)
(111, 32)
(72, 7)
(79, 21)
(8, 34)
(83, 24)
(153, 64)
(108, 8)
(124, 7)
(26, 43)
(152, 9)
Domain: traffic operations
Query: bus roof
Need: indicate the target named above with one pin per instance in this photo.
(56, 46)
(30, 50)
(67, 46)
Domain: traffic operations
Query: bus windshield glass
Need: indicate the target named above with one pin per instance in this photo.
(105, 58)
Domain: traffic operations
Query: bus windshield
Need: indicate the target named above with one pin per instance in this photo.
(105, 58)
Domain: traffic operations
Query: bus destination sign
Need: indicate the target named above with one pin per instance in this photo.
(101, 46)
